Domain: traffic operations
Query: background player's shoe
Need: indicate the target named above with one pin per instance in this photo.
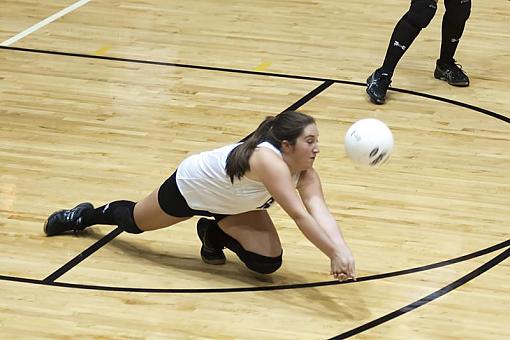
(451, 72)
(66, 220)
(377, 86)
(209, 253)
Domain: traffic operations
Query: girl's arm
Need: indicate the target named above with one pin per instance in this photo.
(271, 170)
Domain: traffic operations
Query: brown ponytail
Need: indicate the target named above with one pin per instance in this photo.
(238, 161)
(287, 126)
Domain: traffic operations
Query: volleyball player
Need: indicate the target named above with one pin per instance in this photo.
(232, 187)
(418, 17)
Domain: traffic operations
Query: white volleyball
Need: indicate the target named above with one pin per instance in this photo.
(369, 142)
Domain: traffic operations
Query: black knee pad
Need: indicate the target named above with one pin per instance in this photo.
(457, 11)
(420, 13)
(124, 217)
(262, 264)
(256, 262)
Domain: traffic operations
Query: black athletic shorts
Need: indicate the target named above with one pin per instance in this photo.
(173, 203)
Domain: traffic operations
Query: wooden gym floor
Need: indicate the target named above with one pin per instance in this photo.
(105, 100)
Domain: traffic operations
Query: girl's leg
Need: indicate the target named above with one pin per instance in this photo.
(132, 217)
(255, 232)
(251, 235)
(148, 214)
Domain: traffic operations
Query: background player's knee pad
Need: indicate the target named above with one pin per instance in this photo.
(458, 11)
(420, 13)
(262, 264)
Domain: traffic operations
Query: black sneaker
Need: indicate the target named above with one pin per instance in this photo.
(451, 72)
(209, 253)
(66, 220)
(377, 86)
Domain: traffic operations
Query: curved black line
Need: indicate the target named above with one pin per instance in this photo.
(454, 102)
(258, 73)
(431, 297)
(83, 255)
(162, 63)
(265, 288)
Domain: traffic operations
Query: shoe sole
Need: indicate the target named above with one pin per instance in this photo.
(213, 262)
(450, 83)
(45, 228)
(375, 100)
(206, 260)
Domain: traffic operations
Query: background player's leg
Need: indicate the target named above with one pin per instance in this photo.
(454, 20)
(418, 16)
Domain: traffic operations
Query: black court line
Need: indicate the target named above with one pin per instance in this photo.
(310, 96)
(162, 63)
(257, 73)
(82, 256)
(444, 263)
(454, 102)
(431, 297)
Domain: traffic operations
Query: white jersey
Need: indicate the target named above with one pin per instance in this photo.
(203, 181)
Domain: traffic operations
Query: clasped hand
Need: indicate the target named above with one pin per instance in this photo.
(342, 265)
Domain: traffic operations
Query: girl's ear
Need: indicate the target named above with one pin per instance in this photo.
(286, 146)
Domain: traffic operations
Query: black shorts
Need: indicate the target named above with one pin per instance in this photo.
(173, 203)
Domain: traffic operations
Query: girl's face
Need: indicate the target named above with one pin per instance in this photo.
(300, 156)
